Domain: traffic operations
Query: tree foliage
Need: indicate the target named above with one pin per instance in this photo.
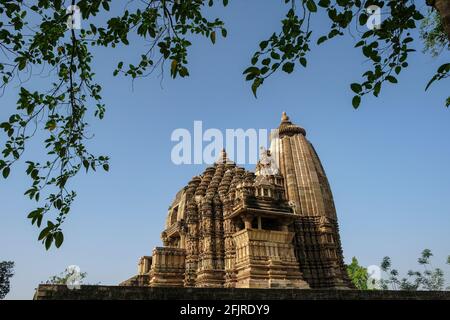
(428, 279)
(433, 35)
(358, 274)
(65, 277)
(34, 37)
(6, 272)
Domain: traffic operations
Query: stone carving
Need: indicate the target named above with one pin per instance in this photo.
(293, 206)
(266, 165)
(232, 228)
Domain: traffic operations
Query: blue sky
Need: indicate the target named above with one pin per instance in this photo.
(387, 162)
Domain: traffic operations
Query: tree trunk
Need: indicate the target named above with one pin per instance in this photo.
(443, 8)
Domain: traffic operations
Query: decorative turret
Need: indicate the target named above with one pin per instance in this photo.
(223, 159)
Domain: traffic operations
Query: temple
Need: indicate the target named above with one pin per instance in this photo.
(272, 228)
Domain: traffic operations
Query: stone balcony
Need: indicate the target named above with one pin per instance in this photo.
(168, 266)
(266, 259)
(264, 245)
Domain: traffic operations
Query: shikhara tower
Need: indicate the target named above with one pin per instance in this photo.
(272, 228)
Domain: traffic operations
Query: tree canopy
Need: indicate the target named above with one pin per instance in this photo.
(357, 274)
(69, 276)
(428, 279)
(6, 272)
(35, 35)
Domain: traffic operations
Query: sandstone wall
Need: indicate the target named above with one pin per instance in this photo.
(59, 292)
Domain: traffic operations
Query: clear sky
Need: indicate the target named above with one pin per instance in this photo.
(387, 162)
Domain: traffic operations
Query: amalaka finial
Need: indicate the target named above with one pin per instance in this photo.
(288, 128)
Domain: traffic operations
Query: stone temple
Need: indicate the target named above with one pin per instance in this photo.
(272, 228)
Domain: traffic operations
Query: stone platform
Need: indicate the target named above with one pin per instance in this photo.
(97, 292)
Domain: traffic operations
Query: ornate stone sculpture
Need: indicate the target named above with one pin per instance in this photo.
(230, 227)
(266, 165)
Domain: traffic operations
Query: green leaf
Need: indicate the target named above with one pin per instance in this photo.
(303, 61)
(39, 220)
(418, 16)
(377, 89)
(51, 125)
(86, 164)
(333, 33)
(322, 39)
(311, 5)
(48, 241)
(43, 233)
(213, 37)
(256, 83)
(250, 76)
(356, 87)
(408, 40)
(430, 82)
(58, 204)
(22, 64)
(363, 19)
(324, 3)
(59, 239)
(444, 68)
(32, 214)
(173, 68)
(359, 44)
(356, 101)
(288, 67)
(254, 70)
(6, 172)
(263, 44)
(391, 79)
(105, 5)
(106, 167)
(266, 61)
(274, 55)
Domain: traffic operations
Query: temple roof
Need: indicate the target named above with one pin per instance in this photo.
(287, 128)
(219, 183)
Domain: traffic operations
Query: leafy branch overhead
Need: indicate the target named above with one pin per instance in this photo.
(61, 108)
(34, 38)
(387, 47)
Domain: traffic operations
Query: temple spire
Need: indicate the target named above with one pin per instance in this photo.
(287, 128)
(223, 158)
